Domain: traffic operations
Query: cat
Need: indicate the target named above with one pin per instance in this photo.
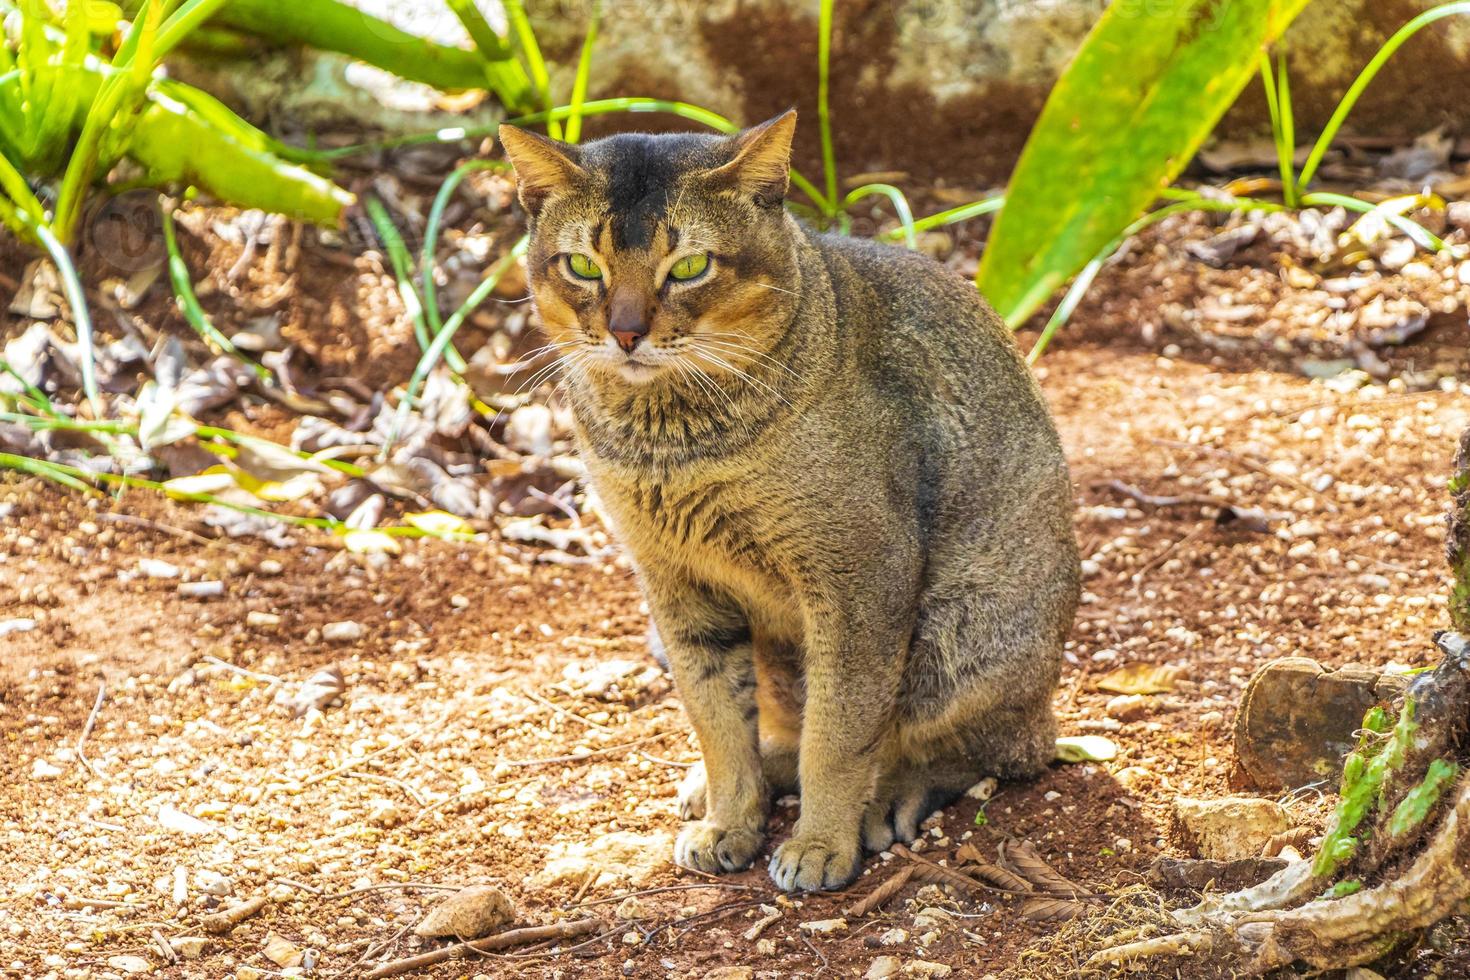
(843, 494)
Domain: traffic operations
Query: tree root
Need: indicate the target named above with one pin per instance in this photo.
(1395, 825)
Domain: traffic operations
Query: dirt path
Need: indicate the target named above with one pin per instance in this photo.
(501, 717)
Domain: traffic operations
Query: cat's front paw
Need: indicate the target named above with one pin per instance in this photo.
(810, 865)
(703, 846)
(693, 790)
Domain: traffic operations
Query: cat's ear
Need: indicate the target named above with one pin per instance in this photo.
(543, 166)
(760, 164)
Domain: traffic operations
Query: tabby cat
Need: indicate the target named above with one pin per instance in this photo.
(846, 502)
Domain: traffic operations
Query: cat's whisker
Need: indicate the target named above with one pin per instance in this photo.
(779, 289)
(707, 383)
(732, 347)
(754, 382)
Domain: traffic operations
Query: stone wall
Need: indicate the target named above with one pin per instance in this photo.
(948, 90)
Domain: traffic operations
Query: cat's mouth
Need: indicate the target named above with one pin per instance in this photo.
(639, 366)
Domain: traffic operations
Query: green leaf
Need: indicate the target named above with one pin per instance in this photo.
(1140, 96)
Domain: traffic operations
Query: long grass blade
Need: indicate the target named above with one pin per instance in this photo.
(1365, 77)
(573, 132)
(429, 260)
(178, 273)
(951, 216)
(445, 336)
(71, 286)
(900, 204)
(1421, 236)
(402, 271)
(524, 37)
(824, 108)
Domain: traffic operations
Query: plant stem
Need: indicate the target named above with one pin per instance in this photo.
(824, 110)
(443, 338)
(952, 216)
(178, 273)
(584, 71)
(71, 285)
(1365, 77)
(429, 260)
(900, 204)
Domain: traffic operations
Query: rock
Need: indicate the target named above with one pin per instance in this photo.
(384, 813)
(282, 951)
(130, 964)
(43, 770)
(1229, 829)
(1133, 777)
(823, 927)
(189, 947)
(213, 883)
(893, 937)
(469, 913)
(157, 568)
(529, 430)
(924, 968)
(201, 590)
(730, 973)
(932, 918)
(182, 823)
(22, 625)
(983, 790)
(765, 947)
(1129, 707)
(621, 856)
(632, 909)
(344, 632)
(1296, 720)
(883, 967)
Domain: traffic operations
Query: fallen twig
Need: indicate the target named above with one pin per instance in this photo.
(222, 922)
(504, 940)
(875, 898)
(87, 728)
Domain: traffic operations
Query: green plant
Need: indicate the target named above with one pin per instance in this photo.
(1136, 101)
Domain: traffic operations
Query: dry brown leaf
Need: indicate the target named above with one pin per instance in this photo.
(1022, 857)
(969, 855)
(1140, 678)
(1051, 909)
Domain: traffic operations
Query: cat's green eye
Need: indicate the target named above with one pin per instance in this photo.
(690, 267)
(583, 267)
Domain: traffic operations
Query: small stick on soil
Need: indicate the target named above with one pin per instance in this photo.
(1150, 500)
(87, 728)
(242, 671)
(664, 888)
(754, 932)
(392, 886)
(299, 885)
(222, 922)
(504, 940)
(586, 884)
(547, 702)
(1250, 464)
(177, 532)
(876, 897)
(609, 750)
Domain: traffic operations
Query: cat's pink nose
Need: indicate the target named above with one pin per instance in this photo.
(628, 336)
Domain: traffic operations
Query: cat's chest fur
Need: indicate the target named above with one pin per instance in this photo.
(712, 524)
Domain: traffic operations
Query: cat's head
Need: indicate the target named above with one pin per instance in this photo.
(654, 255)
